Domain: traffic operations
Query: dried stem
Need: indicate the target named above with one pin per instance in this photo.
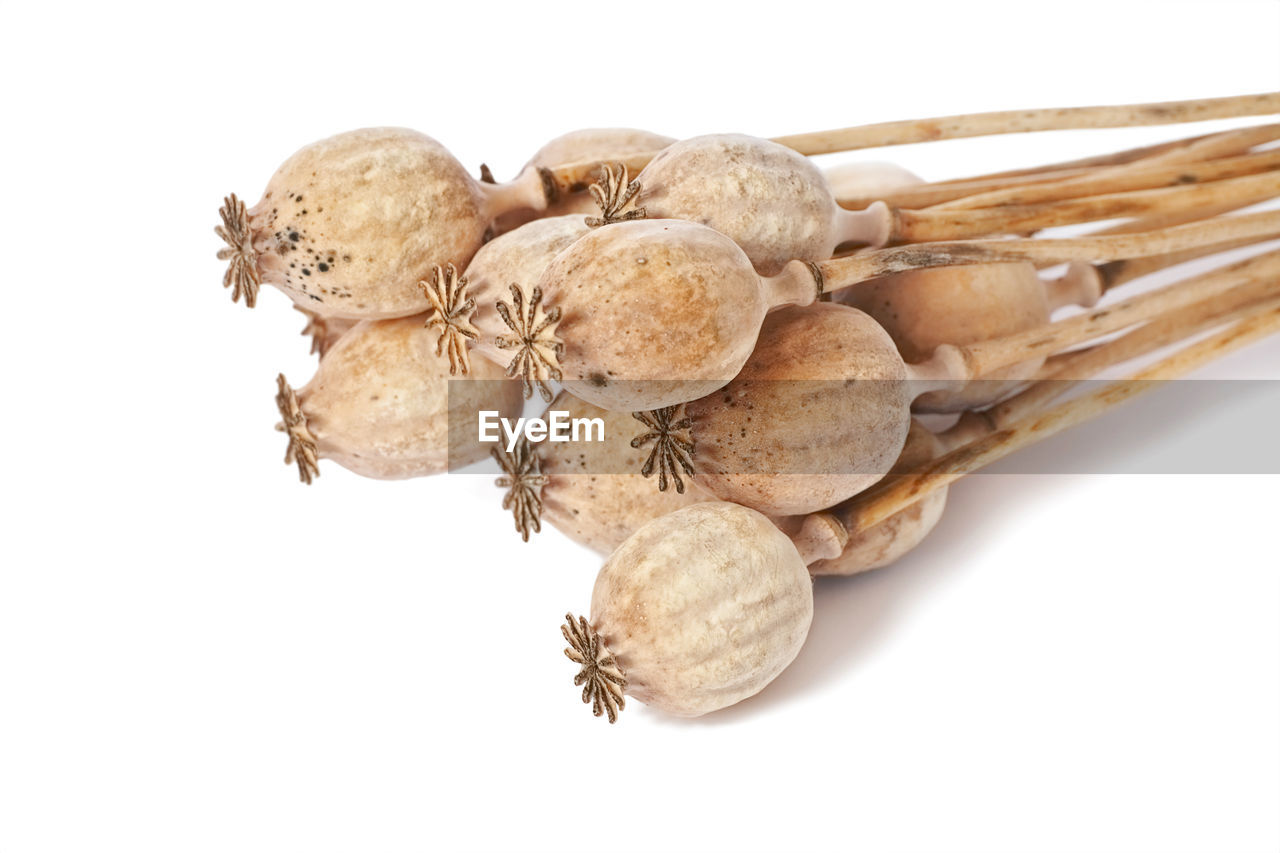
(451, 310)
(523, 479)
(986, 356)
(302, 444)
(885, 500)
(1228, 143)
(1116, 273)
(1162, 331)
(1137, 176)
(864, 265)
(1026, 121)
(915, 226)
(242, 274)
(601, 679)
(673, 445)
(570, 176)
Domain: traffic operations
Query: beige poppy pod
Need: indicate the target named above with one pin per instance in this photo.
(594, 493)
(515, 259)
(650, 313)
(768, 199)
(600, 144)
(868, 179)
(383, 404)
(924, 309)
(819, 412)
(888, 541)
(697, 610)
(349, 225)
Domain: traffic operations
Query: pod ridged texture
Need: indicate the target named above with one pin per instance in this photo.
(703, 607)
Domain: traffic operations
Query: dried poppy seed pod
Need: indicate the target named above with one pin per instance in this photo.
(515, 259)
(653, 312)
(599, 144)
(868, 179)
(768, 199)
(697, 610)
(349, 225)
(382, 404)
(818, 413)
(591, 490)
(924, 309)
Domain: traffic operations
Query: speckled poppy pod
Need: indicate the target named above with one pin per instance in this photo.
(349, 225)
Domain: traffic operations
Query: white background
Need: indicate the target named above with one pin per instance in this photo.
(198, 653)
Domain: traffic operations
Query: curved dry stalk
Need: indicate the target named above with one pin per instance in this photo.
(538, 350)
(601, 679)
(869, 264)
(1026, 121)
(933, 224)
(888, 498)
(523, 479)
(242, 274)
(302, 444)
(451, 310)
(612, 193)
(673, 445)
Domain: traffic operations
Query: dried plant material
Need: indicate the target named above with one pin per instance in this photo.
(1026, 121)
(302, 444)
(817, 414)
(594, 493)
(887, 499)
(924, 309)
(242, 274)
(523, 479)
(702, 608)
(595, 145)
(673, 447)
(383, 405)
(537, 357)
(349, 225)
(451, 310)
(612, 193)
(938, 223)
(600, 678)
(775, 204)
(516, 258)
(323, 331)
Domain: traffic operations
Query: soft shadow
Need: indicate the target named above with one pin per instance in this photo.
(854, 615)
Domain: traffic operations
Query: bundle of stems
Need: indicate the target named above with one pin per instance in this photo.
(1250, 314)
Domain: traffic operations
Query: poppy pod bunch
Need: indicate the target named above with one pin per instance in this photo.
(756, 339)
